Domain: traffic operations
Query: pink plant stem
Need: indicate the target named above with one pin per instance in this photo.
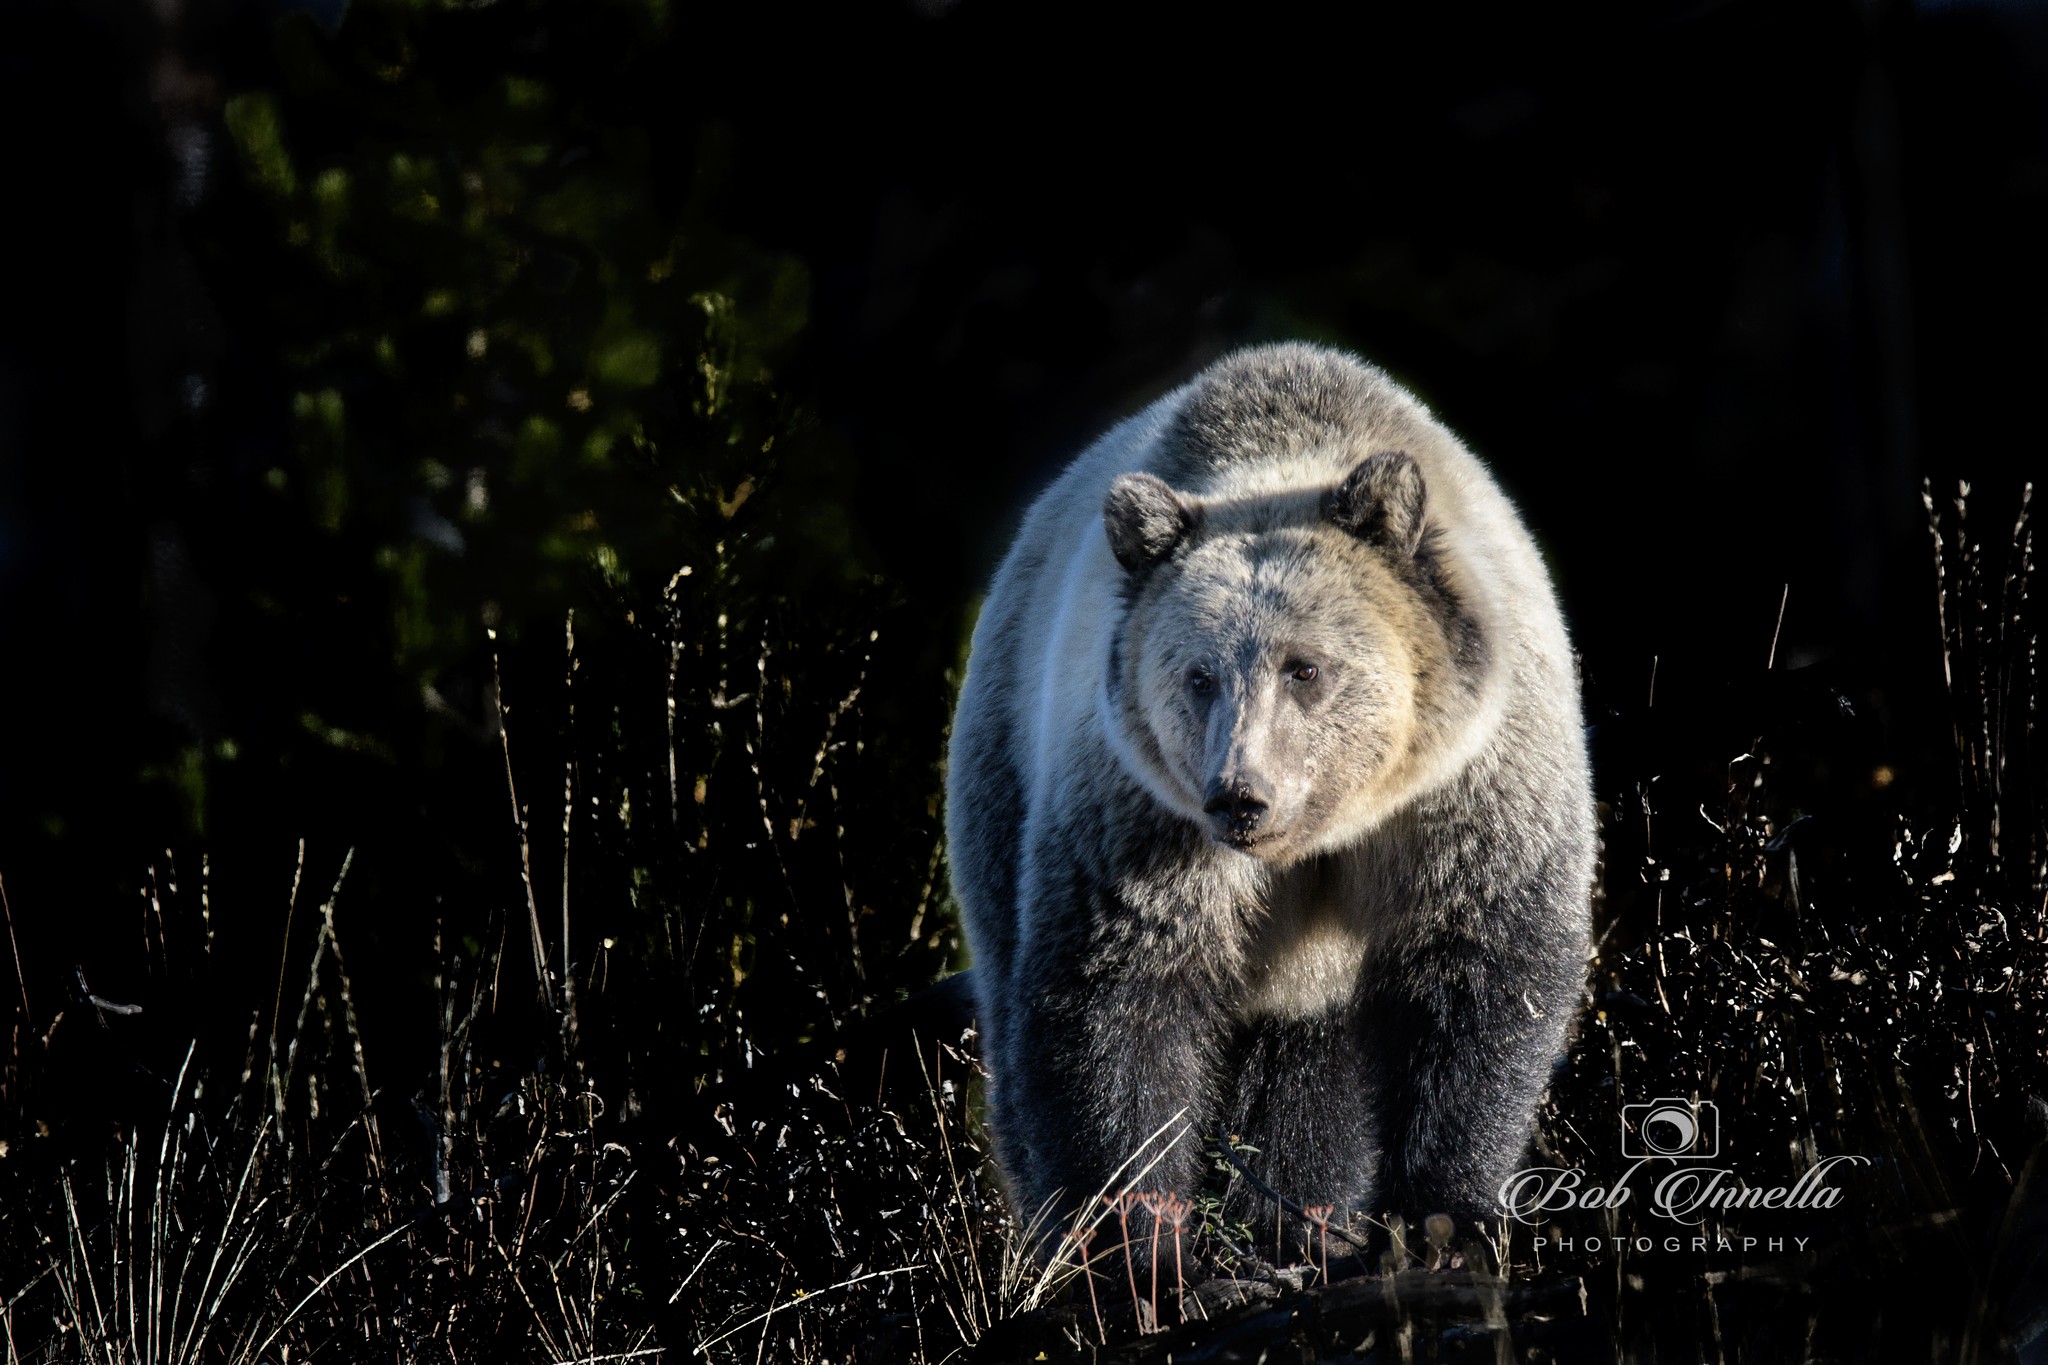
(1123, 1222)
(1155, 1265)
(1088, 1274)
(1319, 1214)
(1180, 1302)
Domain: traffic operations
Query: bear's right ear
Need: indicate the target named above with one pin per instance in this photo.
(1381, 502)
(1145, 519)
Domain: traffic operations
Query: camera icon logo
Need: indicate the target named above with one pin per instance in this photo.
(1671, 1127)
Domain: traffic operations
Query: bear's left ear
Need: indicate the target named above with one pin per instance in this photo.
(1145, 519)
(1381, 502)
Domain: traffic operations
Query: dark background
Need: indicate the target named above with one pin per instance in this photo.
(1713, 287)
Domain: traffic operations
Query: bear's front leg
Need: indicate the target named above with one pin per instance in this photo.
(1117, 1026)
(1301, 1105)
(1466, 1012)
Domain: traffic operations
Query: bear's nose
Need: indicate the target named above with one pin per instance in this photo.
(1236, 808)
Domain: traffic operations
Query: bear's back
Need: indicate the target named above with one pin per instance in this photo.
(1273, 405)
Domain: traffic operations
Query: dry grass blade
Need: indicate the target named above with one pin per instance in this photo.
(802, 1300)
(539, 939)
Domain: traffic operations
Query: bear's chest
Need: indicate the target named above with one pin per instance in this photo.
(1305, 956)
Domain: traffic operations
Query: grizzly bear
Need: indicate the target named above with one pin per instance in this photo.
(1268, 806)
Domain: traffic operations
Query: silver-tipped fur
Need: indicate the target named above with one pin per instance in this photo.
(1268, 800)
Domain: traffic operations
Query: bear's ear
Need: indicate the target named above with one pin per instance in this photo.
(1381, 502)
(1145, 519)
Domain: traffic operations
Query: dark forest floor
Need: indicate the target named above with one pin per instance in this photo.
(656, 1158)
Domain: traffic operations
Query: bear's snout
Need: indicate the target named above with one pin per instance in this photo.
(1234, 810)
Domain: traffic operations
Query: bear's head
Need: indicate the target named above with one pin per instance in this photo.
(1285, 662)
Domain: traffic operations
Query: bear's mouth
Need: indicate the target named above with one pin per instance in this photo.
(1252, 841)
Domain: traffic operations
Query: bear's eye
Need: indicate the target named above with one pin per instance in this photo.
(1201, 681)
(1306, 672)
